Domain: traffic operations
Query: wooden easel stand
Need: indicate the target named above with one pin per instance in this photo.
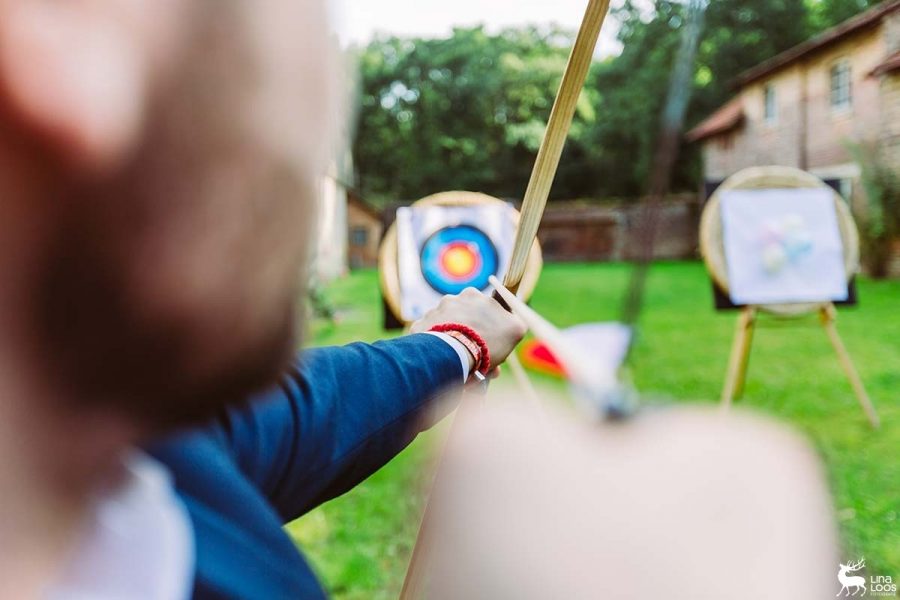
(740, 357)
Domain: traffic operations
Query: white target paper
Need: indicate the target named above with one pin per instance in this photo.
(490, 229)
(783, 246)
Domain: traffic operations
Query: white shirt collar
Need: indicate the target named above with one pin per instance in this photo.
(138, 541)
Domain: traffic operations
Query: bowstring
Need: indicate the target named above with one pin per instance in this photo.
(672, 123)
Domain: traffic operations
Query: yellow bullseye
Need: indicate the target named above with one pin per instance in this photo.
(459, 261)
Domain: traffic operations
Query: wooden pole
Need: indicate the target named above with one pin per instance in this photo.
(532, 212)
(828, 315)
(745, 355)
(740, 350)
(554, 141)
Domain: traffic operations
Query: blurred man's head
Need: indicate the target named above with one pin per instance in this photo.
(158, 163)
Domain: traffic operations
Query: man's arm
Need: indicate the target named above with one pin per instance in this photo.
(338, 416)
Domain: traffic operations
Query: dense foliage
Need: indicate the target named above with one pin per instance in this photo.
(879, 219)
(468, 111)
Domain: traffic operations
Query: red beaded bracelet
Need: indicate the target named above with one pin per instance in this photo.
(482, 357)
(471, 346)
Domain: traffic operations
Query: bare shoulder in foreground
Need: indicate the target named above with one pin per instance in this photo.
(677, 503)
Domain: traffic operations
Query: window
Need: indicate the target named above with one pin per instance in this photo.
(770, 111)
(845, 186)
(359, 236)
(840, 85)
(725, 141)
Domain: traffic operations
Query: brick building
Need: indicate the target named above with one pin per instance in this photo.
(364, 227)
(806, 106)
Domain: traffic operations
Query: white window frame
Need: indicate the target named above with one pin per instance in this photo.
(840, 86)
(357, 232)
(770, 104)
(846, 186)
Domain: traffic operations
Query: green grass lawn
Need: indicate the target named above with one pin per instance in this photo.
(360, 543)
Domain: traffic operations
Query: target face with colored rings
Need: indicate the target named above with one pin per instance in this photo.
(458, 257)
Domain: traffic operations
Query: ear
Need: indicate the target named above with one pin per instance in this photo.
(73, 76)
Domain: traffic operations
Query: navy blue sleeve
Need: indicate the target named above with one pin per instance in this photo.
(338, 416)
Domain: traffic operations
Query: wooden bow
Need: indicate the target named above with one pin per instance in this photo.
(547, 162)
(532, 212)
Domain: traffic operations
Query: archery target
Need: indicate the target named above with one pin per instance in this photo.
(458, 257)
(782, 245)
(445, 249)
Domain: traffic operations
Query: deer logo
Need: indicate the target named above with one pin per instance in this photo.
(852, 581)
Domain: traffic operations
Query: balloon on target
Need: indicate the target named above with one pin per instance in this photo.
(444, 244)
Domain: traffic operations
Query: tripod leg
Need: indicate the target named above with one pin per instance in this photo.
(827, 315)
(740, 348)
(745, 354)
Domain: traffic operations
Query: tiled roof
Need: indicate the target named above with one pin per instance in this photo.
(728, 117)
(861, 21)
(891, 63)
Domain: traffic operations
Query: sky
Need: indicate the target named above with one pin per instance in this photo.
(357, 21)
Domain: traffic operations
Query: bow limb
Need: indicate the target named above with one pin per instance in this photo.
(554, 141)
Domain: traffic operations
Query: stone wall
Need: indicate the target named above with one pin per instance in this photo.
(830, 130)
(579, 231)
(892, 32)
(890, 102)
(757, 141)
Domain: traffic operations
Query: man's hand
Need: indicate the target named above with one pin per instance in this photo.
(500, 329)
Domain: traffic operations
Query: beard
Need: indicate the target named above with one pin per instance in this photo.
(168, 288)
(159, 369)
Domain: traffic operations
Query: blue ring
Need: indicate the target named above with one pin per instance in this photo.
(431, 255)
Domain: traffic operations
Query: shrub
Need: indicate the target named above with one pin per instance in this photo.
(879, 217)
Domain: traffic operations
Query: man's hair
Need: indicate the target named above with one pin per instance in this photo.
(165, 292)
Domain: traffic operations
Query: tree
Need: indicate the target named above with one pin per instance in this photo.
(632, 87)
(466, 112)
(742, 34)
(469, 111)
(827, 13)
